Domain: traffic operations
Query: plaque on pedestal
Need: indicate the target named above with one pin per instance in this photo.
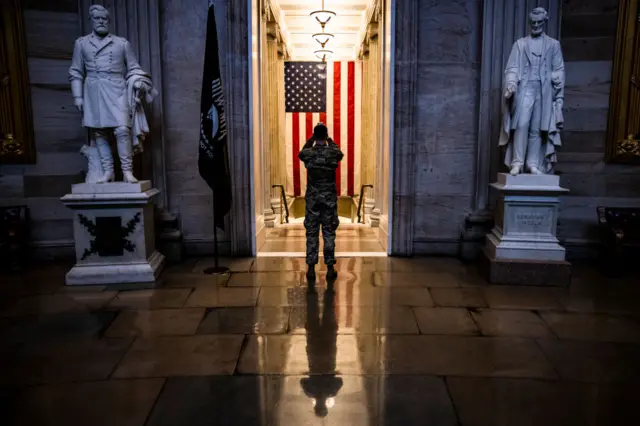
(523, 248)
(113, 226)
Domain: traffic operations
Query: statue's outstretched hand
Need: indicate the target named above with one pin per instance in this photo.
(79, 103)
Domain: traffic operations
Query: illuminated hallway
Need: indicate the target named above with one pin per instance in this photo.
(398, 342)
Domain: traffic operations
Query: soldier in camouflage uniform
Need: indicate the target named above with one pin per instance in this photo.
(321, 156)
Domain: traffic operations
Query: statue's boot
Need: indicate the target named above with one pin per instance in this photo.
(535, 171)
(515, 170)
(106, 158)
(125, 151)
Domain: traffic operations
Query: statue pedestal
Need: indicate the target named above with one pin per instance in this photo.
(113, 226)
(522, 248)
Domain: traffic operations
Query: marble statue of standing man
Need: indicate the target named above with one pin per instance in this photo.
(107, 84)
(533, 98)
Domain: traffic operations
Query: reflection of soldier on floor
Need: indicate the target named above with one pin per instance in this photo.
(322, 385)
(321, 156)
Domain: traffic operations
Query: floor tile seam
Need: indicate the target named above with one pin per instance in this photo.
(538, 379)
(527, 308)
(64, 383)
(243, 346)
(456, 409)
(546, 323)
(147, 418)
(475, 322)
(547, 357)
(122, 357)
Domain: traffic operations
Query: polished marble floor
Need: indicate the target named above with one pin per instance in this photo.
(351, 239)
(420, 341)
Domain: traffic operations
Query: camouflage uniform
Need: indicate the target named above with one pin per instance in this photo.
(321, 199)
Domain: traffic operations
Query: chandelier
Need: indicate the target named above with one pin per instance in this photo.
(322, 38)
(322, 16)
(323, 54)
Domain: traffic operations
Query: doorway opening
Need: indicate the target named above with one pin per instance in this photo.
(333, 67)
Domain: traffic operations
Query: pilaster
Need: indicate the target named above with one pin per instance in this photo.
(273, 112)
(238, 56)
(266, 84)
(404, 129)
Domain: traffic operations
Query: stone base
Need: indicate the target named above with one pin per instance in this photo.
(525, 272)
(114, 234)
(117, 273)
(473, 233)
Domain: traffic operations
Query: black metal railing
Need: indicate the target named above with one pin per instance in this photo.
(360, 203)
(283, 204)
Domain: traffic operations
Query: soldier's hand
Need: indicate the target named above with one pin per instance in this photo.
(79, 103)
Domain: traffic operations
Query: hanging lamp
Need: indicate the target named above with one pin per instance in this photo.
(322, 16)
(323, 54)
(323, 38)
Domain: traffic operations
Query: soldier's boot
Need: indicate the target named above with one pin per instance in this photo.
(125, 151)
(311, 273)
(330, 223)
(332, 274)
(106, 158)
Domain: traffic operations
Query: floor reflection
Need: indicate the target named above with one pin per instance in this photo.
(322, 334)
(392, 341)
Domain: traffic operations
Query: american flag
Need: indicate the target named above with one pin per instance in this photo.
(331, 94)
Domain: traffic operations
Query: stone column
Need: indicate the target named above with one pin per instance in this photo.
(265, 87)
(240, 151)
(273, 112)
(282, 123)
(365, 132)
(405, 65)
(374, 157)
(504, 21)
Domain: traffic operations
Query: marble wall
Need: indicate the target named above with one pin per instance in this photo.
(449, 41)
(51, 30)
(184, 24)
(588, 38)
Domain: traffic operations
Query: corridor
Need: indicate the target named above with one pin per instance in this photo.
(393, 341)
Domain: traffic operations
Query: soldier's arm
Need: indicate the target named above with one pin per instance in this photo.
(339, 154)
(305, 154)
(77, 71)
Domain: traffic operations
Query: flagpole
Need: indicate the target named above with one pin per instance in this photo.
(216, 269)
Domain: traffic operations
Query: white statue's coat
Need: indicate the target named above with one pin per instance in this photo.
(517, 72)
(101, 70)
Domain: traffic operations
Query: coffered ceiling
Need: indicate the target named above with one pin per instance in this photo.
(348, 26)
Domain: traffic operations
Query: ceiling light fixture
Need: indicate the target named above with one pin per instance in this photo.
(323, 54)
(323, 38)
(322, 16)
